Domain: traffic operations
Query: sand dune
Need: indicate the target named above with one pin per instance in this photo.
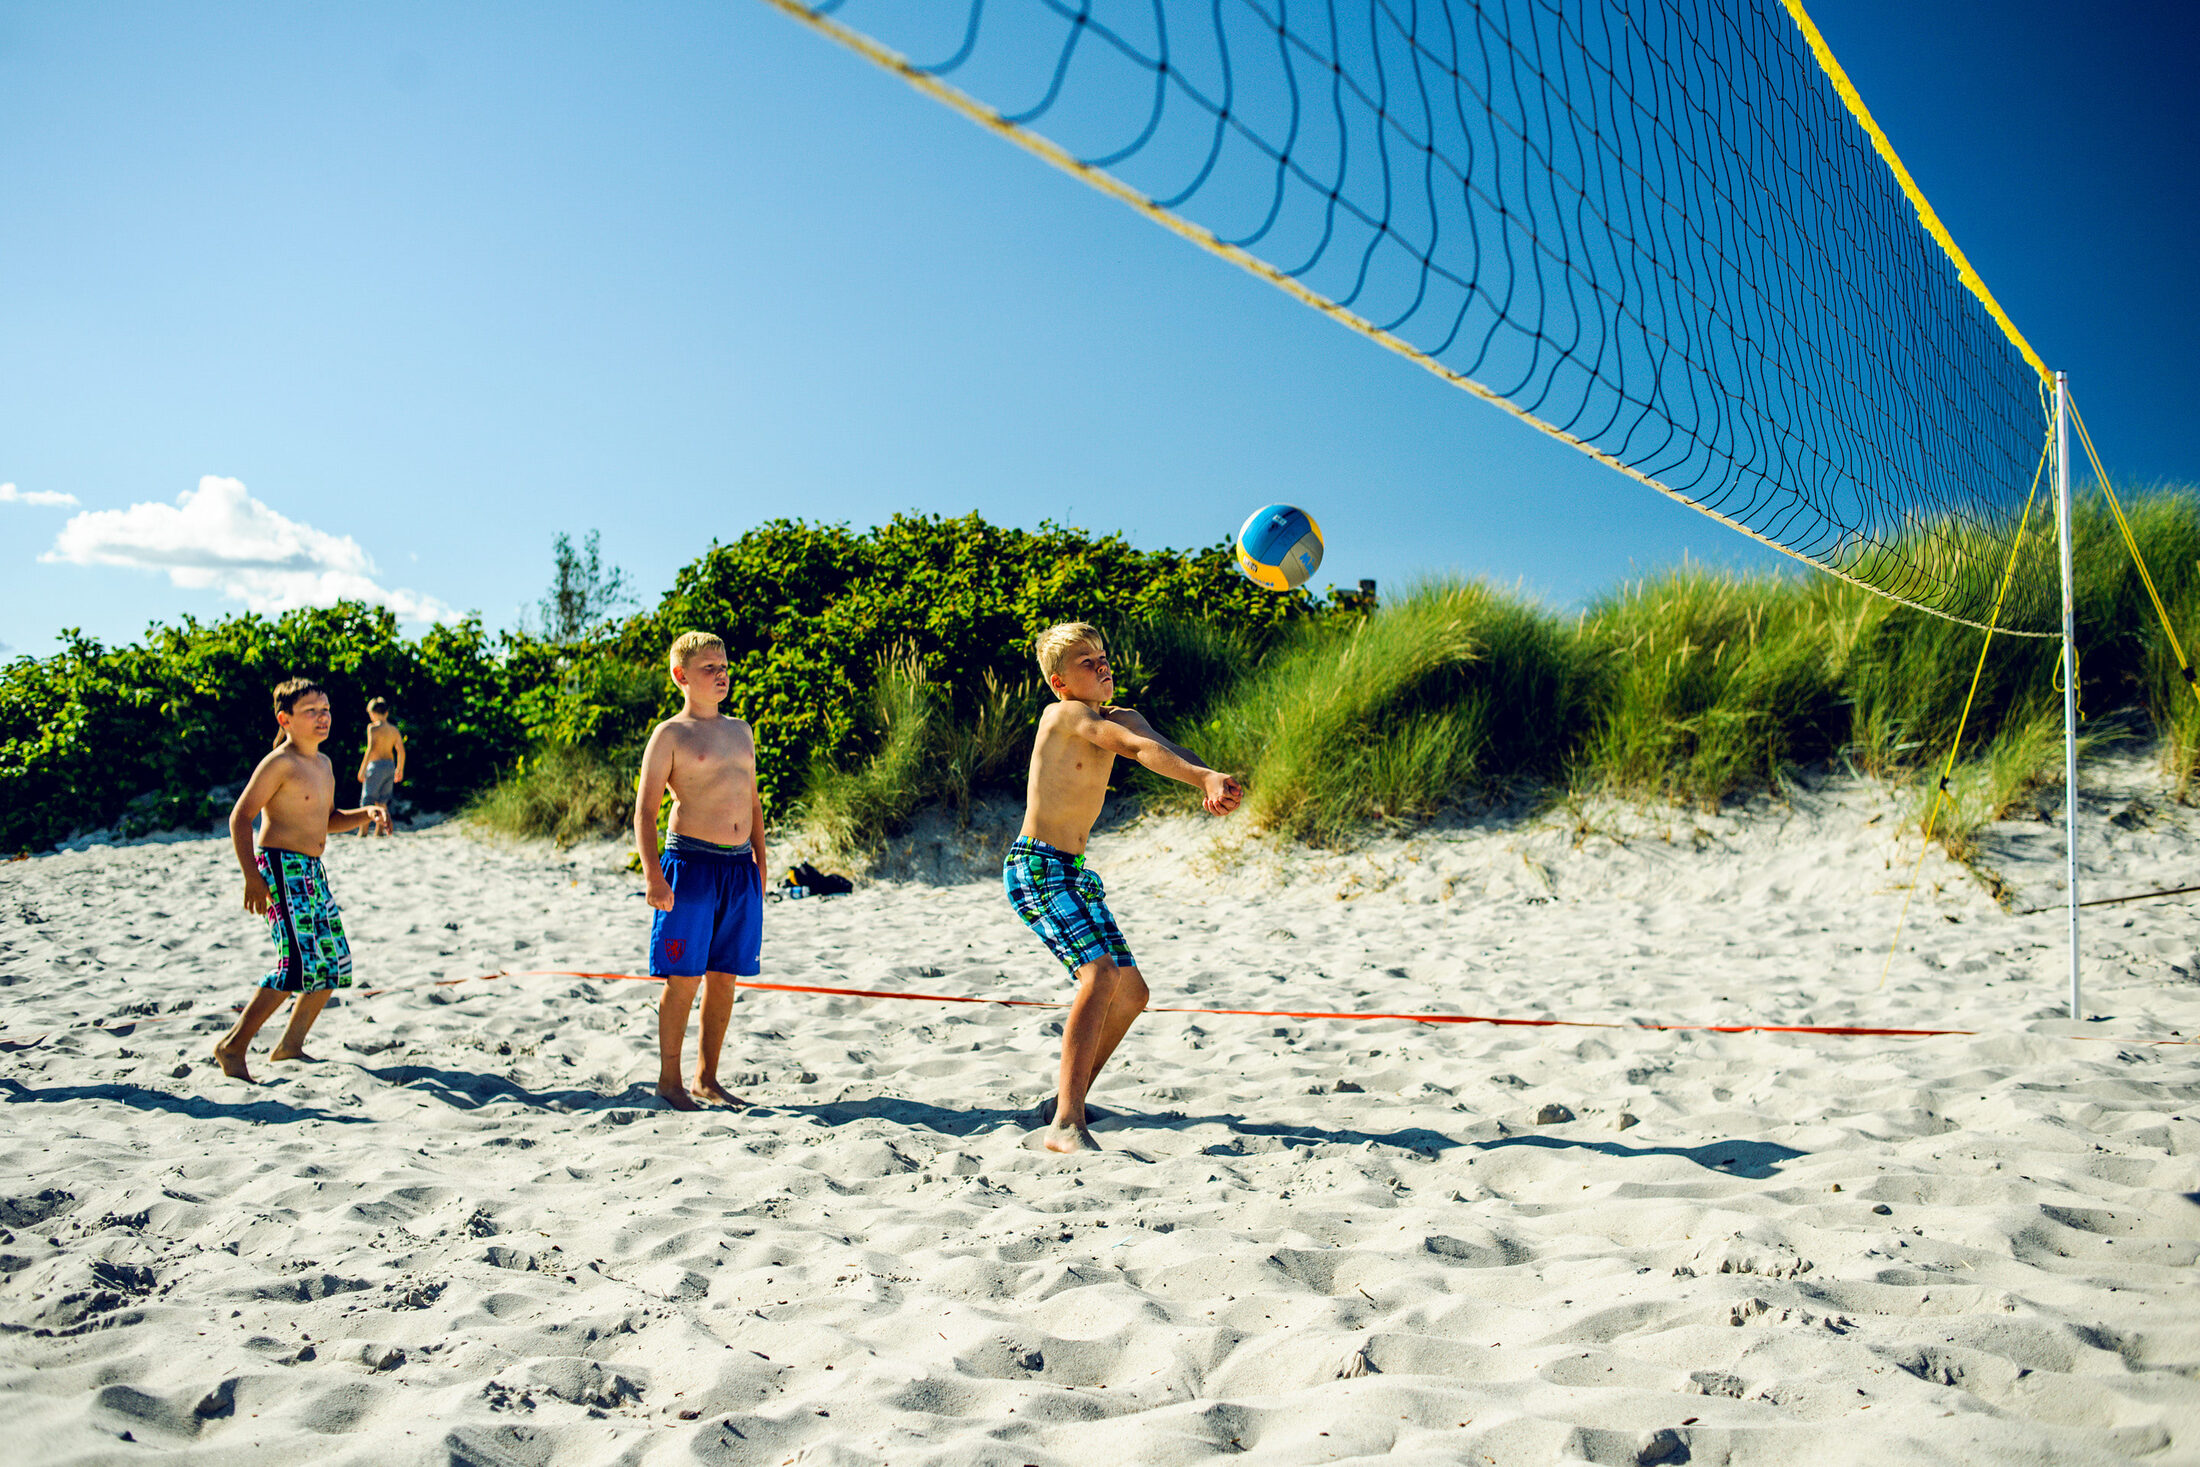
(467, 1235)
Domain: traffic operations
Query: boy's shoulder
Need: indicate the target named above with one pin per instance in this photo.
(1078, 711)
(678, 725)
(287, 758)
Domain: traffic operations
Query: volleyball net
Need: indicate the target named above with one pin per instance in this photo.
(1668, 234)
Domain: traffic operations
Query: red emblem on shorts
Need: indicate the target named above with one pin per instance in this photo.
(675, 947)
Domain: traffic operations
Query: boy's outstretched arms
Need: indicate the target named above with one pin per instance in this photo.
(649, 797)
(1125, 731)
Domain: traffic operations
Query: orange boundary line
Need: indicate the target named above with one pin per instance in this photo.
(1039, 1003)
(1837, 1030)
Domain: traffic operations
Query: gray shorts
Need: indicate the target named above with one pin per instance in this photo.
(380, 781)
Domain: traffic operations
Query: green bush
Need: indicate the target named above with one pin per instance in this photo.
(163, 731)
(810, 612)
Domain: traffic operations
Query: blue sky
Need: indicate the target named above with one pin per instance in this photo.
(397, 293)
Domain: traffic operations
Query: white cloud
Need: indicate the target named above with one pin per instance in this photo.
(9, 494)
(219, 537)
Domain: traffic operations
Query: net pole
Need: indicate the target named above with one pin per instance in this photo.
(2070, 674)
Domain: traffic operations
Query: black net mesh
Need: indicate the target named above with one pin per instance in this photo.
(1654, 229)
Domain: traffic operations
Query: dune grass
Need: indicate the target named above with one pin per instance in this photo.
(921, 752)
(1389, 717)
(1707, 682)
(1698, 685)
(562, 792)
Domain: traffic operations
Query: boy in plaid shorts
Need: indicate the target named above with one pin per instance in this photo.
(1052, 889)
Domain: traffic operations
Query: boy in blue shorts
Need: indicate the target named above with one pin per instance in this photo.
(1053, 891)
(708, 886)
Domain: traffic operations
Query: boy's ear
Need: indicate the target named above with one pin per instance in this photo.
(679, 676)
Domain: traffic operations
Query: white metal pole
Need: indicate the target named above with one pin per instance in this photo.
(2070, 672)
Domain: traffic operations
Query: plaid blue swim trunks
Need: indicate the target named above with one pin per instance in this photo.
(1059, 897)
(311, 952)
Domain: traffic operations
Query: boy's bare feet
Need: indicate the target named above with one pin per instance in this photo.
(232, 1063)
(1092, 1112)
(713, 1093)
(1067, 1140)
(676, 1097)
(291, 1052)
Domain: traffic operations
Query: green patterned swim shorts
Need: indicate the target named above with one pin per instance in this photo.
(310, 951)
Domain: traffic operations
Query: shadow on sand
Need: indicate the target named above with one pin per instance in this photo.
(469, 1090)
(198, 1107)
(915, 1114)
(1756, 1159)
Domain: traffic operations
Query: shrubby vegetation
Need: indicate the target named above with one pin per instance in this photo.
(889, 669)
(535, 726)
(162, 732)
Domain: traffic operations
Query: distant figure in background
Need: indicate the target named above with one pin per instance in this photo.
(1052, 889)
(708, 887)
(382, 763)
(295, 788)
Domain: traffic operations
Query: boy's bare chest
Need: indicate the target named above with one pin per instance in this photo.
(308, 788)
(713, 753)
(1074, 766)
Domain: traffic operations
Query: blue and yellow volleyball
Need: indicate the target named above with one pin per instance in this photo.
(1279, 547)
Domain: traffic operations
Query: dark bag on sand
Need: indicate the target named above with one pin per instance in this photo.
(820, 883)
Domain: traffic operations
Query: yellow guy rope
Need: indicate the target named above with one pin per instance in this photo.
(1947, 770)
(2131, 543)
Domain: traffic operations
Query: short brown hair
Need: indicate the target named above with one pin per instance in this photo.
(378, 705)
(687, 644)
(1056, 642)
(288, 694)
(286, 699)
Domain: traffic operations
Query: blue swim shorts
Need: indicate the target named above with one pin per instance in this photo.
(1059, 897)
(716, 924)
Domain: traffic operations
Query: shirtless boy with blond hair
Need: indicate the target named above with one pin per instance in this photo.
(1055, 893)
(708, 886)
(295, 788)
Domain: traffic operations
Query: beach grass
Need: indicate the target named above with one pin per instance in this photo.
(1698, 685)
(853, 809)
(1453, 685)
(562, 792)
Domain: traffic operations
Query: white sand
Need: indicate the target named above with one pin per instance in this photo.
(468, 1236)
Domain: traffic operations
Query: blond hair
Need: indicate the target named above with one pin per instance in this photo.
(687, 644)
(1057, 642)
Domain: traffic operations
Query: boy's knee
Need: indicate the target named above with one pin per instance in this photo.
(1134, 986)
(1117, 981)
